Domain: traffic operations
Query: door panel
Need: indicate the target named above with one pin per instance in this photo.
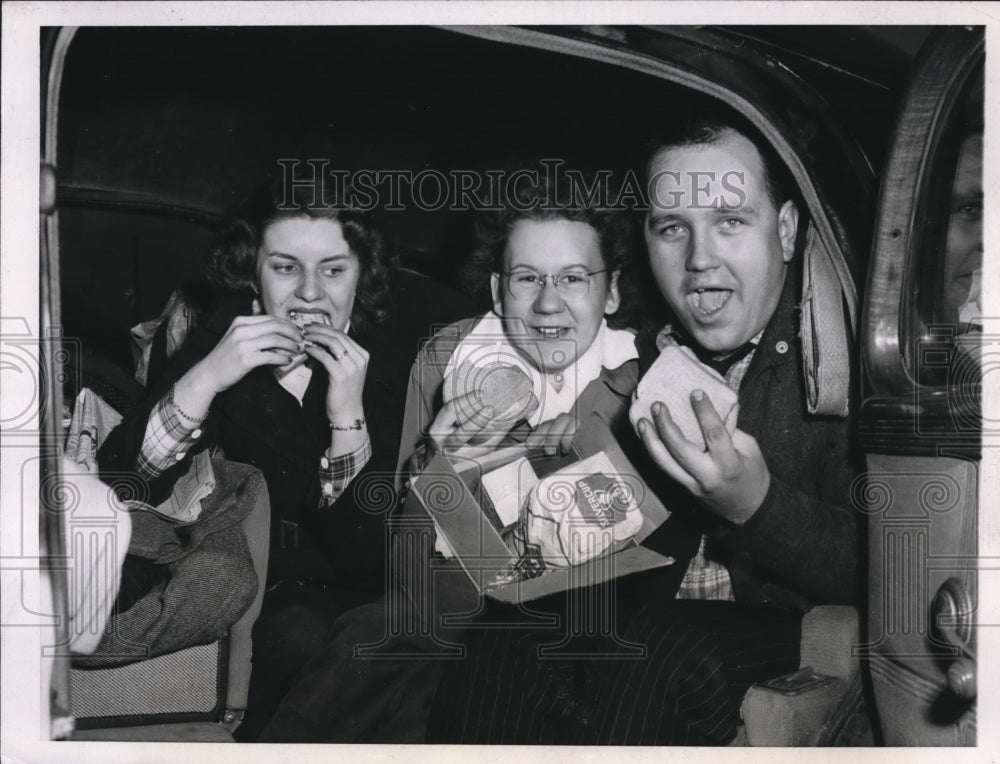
(921, 422)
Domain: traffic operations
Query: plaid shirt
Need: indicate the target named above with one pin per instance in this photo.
(169, 437)
(707, 579)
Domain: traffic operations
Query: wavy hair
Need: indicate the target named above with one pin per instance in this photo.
(616, 232)
(232, 263)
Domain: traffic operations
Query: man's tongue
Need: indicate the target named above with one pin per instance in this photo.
(709, 301)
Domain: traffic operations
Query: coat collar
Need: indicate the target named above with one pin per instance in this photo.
(622, 380)
(779, 346)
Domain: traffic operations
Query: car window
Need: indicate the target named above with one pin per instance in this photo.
(948, 306)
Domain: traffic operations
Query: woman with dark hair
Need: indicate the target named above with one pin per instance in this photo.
(299, 370)
(558, 273)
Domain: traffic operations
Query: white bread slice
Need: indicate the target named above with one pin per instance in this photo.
(671, 379)
(301, 320)
(506, 388)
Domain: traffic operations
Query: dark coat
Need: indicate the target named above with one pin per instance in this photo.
(802, 547)
(258, 422)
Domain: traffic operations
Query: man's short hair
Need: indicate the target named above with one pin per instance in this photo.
(706, 128)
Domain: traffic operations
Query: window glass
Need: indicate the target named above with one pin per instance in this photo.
(948, 289)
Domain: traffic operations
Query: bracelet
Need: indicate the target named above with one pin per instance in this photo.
(359, 424)
(179, 410)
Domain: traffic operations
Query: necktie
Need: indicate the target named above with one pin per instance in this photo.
(723, 363)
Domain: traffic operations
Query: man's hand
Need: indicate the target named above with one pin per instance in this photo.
(554, 434)
(730, 477)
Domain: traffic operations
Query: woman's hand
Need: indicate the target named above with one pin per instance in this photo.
(250, 341)
(346, 363)
(463, 419)
(554, 434)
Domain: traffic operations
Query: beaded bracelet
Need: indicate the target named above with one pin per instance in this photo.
(358, 425)
(179, 410)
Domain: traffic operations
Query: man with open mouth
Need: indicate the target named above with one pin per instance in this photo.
(768, 508)
(762, 525)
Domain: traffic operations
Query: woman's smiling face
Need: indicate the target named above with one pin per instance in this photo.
(304, 266)
(549, 330)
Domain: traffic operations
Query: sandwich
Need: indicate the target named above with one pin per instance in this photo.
(671, 380)
(301, 320)
(504, 387)
(579, 512)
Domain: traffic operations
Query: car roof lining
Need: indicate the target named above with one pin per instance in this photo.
(663, 70)
(506, 89)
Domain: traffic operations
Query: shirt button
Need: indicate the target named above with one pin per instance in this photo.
(324, 463)
(328, 489)
(196, 433)
(180, 455)
(781, 347)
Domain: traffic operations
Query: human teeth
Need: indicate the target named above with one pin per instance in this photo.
(549, 332)
(304, 319)
(710, 301)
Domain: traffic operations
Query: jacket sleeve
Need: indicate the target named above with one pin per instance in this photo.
(119, 454)
(809, 540)
(423, 393)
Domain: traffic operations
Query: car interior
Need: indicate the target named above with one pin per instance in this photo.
(162, 130)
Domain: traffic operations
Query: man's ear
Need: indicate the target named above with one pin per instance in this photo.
(788, 224)
(613, 301)
(495, 289)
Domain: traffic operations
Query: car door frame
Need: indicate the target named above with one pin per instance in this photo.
(922, 443)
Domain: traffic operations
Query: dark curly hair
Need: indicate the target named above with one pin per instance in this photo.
(616, 232)
(232, 264)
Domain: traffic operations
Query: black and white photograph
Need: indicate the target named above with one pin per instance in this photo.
(617, 377)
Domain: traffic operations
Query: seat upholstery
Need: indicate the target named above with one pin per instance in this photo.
(823, 702)
(201, 685)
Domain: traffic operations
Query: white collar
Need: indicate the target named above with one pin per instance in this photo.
(297, 380)
(487, 343)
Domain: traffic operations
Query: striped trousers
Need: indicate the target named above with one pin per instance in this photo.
(675, 676)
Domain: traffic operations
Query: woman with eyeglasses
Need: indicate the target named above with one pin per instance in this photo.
(558, 274)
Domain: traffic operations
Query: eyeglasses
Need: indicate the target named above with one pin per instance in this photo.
(526, 284)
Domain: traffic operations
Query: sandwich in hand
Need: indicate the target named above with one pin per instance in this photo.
(671, 380)
(301, 320)
(503, 387)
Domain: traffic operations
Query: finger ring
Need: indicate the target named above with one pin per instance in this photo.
(335, 356)
(344, 354)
